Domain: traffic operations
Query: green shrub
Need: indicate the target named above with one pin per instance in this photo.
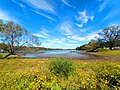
(61, 67)
(100, 50)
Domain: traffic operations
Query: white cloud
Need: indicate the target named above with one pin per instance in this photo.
(72, 45)
(23, 6)
(60, 43)
(76, 38)
(41, 4)
(92, 17)
(53, 45)
(38, 35)
(103, 5)
(66, 3)
(20, 4)
(85, 29)
(56, 40)
(83, 18)
(44, 5)
(35, 5)
(87, 37)
(79, 25)
(66, 27)
(113, 13)
(113, 24)
(69, 42)
(46, 16)
(43, 33)
(72, 41)
(4, 15)
(91, 36)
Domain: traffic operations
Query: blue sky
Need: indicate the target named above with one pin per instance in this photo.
(62, 23)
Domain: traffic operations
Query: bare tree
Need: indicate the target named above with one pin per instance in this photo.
(110, 36)
(14, 35)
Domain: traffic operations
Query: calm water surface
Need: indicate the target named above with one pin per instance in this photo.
(57, 53)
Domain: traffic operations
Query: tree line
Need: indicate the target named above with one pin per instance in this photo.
(108, 38)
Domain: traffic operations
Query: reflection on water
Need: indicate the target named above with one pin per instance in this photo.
(56, 53)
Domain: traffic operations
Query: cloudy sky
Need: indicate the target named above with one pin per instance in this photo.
(62, 23)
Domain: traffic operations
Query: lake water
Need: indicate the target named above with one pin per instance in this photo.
(57, 53)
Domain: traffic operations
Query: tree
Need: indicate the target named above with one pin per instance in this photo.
(91, 46)
(3, 46)
(110, 36)
(13, 35)
(1, 24)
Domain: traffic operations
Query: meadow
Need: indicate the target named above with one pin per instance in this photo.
(40, 74)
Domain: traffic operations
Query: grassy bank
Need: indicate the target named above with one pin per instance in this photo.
(2, 55)
(34, 74)
(110, 52)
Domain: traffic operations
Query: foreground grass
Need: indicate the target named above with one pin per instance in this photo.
(33, 74)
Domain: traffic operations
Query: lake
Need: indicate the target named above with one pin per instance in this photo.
(58, 53)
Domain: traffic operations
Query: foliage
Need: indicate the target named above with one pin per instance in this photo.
(3, 46)
(100, 50)
(61, 67)
(91, 46)
(34, 74)
(82, 47)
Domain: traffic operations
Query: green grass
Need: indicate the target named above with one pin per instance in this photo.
(2, 55)
(34, 74)
(110, 52)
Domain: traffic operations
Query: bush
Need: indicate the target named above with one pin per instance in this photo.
(61, 67)
(100, 50)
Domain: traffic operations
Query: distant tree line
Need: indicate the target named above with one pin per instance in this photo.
(108, 38)
(5, 47)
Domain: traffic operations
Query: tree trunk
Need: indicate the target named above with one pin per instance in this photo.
(9, 55)
(110, 47)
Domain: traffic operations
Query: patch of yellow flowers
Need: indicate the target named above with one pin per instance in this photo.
(87, 76)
